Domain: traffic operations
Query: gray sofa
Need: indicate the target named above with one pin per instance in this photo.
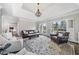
(29, 33)
(60, 37)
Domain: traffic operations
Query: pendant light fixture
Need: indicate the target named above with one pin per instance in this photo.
(38, 13)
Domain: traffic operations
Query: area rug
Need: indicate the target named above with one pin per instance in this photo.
(43, 45)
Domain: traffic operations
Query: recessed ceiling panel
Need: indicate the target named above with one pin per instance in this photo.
(32, 7)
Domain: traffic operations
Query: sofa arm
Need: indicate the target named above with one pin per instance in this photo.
(15, 45)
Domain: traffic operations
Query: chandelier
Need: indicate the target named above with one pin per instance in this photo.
(38, 13)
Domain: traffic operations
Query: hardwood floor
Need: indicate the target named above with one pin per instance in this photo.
(76, 47)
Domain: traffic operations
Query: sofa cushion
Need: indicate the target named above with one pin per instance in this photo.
(25, 32)
(16, 45)
(60, 34)
(31, 32)
(3, 40)
(8, 35)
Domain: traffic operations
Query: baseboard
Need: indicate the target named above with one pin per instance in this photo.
(74, 42)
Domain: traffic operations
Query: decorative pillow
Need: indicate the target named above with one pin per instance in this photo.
(55, 37)
(25, 32)
(31, 32)
(60, 34)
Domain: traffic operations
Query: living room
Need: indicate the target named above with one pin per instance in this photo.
(39, 28)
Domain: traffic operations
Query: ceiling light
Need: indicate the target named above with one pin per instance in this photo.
(38, 13)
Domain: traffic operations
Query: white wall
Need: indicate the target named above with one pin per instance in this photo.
(8, 21)
(24, 24)
(75, 18)
(73, 32)
(0, 20)
(18, 23)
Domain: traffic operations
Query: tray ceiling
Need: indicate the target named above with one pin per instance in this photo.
(27, 10)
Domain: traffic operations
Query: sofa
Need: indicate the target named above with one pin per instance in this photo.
(29, 33)
(16, 45)
(60, 37)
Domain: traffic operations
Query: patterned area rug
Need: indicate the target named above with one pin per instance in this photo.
(42, 45)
